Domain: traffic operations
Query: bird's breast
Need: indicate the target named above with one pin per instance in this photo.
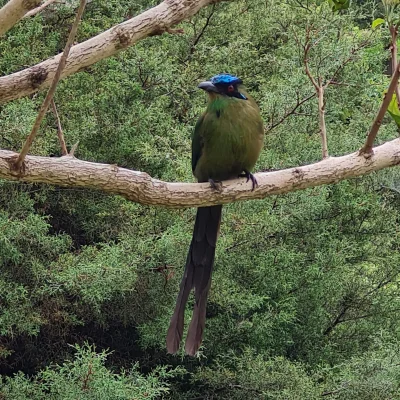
(232, 140)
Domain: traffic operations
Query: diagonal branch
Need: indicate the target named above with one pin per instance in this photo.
(154, 21)
(353, 53)
(203, 29)
(289, 113)
(50, 93)
(140, 187)
(367, 148)
(37, 10)
(13, 11)
(60, 133)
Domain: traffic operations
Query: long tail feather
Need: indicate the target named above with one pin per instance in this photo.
(197, 275)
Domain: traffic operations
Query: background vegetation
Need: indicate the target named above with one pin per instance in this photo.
(305, 298)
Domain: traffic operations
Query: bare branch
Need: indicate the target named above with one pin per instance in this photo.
(290, 112)
(321, 117)
(37, 10)
(203, 29)
(307, 69)
(13, 11)
(154, 21)
(141, 188)
(319, 88)
(367, 149)
(73, 149)
(50, 93)
(60, 133)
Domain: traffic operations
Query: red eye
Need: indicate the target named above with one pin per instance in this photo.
(231, 88)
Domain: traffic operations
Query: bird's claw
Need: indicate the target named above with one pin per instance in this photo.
(216, 185)
(249, 176)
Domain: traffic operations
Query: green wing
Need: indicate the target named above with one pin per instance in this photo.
(197, 142)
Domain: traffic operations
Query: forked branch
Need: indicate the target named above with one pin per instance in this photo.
(319, 90)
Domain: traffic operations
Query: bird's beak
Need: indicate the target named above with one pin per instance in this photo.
(208, 87)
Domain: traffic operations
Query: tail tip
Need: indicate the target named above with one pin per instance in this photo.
(192, 347)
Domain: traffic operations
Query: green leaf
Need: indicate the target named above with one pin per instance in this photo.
(394, 111)
(338, 5)
(377, 22)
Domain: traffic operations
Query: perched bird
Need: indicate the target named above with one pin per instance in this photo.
(226, 143)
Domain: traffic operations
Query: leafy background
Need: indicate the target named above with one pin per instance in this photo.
(305, 297)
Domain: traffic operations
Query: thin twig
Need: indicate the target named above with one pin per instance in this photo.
(203, 29)
(199, 35)
(60, 134)
(73, 149)
(50, 93)
(345, 62)
(290, 112)
(38, 9)
(319, 89)
(366, 150)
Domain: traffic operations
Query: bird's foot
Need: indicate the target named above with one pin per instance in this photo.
(249, 175)
(216, 185)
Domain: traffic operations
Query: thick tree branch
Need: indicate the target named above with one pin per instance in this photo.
(141, 188)
(13, 11)
(152, 22)
(50, 93)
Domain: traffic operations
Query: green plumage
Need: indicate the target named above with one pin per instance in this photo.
(227, 141)
(227, 138)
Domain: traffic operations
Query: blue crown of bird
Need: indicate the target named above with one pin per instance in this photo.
(226, 143)
(223, 84)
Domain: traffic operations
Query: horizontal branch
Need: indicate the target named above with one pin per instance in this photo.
(140, 187)
(154, 21)
(13, 11)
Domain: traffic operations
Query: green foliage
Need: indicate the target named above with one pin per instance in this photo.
(394, 111)
(86, 377)
(251, 376)
(305, 295)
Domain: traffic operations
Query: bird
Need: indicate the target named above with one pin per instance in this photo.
(226, 143)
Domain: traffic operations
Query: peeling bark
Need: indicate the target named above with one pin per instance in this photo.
(140, 187)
